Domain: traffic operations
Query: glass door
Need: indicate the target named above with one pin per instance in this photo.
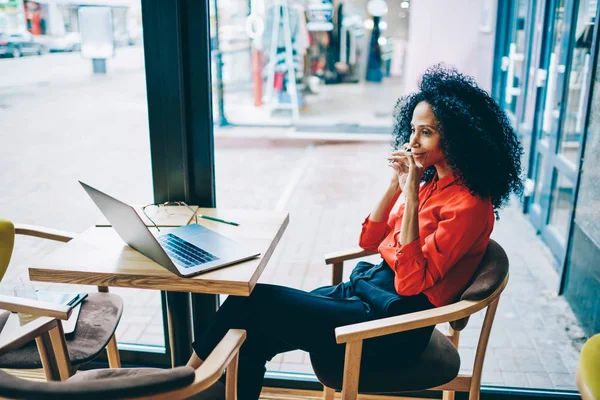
(530, 101)
(514, 55)
(559, 135)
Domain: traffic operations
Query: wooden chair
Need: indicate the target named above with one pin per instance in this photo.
(98, 319)
(588, 371)
(438, 367)
(122, 383)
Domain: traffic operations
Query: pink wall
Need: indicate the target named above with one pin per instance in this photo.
(451, 31)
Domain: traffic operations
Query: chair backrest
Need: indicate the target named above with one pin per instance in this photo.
(588, 371)
(7, 243)
(490, 274)
(100, 389)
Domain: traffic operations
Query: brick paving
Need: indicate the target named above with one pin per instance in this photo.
(328, 188)
(535, 337)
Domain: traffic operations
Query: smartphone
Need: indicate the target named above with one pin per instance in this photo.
(67, 299)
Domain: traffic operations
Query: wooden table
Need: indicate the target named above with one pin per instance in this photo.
(99, 257)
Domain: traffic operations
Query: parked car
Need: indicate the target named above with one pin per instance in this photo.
(122, 39)
(71, 41)
(18, 44)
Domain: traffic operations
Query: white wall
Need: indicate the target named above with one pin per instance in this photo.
(451, 31)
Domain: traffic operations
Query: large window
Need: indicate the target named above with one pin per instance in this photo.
(61, 122)
(293, 63)
(329, 184)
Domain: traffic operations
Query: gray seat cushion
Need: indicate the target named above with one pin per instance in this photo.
(98, 320)
(438, 364)
(492, 271)
(103, 384)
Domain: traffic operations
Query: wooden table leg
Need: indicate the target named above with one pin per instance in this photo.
(180, 327)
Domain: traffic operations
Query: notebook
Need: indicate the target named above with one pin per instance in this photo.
(75, 300)
(70, 299)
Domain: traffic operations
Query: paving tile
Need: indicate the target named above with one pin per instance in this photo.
(132, 334)
(563, 381)
(515, 379)
(153, 340)
(492, 378)
(520, 340)
(539, 380)
(519, 361)
(277, 359)
(295, 367)
(553, 362)
(296, 357)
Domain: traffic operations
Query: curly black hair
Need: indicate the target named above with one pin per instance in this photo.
(476, 137)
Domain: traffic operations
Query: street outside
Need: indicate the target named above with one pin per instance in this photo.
(59, 123)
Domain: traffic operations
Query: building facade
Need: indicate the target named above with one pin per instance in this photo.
(545, 78)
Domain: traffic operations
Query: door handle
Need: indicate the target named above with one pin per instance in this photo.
(549, 111)
(582, 93)
(513, 57)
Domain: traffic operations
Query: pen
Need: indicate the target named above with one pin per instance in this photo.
(218, 220)
(73, 301)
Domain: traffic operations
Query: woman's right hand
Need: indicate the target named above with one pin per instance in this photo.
(399, 163)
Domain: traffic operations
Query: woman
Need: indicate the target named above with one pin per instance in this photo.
(456, 162)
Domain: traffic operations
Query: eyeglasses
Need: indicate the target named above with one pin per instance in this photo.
(164, 205)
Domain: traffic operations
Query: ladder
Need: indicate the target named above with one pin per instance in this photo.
(281, 20)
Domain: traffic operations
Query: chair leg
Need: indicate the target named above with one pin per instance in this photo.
(44, 346)
(231, 378)
(328, 393)
(112, 352)
(351, 370)
(448, 395)
(114, 359)
(61, 354)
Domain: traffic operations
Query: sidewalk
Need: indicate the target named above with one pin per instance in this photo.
(341, 107)
(98, 132)
(330, 187)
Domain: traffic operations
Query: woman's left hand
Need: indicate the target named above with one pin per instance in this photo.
(413, 180)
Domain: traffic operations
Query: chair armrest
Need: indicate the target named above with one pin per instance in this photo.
(406, 322)
(44, 233)
(14, 338)
(212, 368)
(348, 254)
(35, 307)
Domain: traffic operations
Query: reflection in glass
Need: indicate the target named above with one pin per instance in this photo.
(573, 120)
(531, 91)
(539, 179)
(516, 57)
(552, 102)
(560, 209)
(64, 119)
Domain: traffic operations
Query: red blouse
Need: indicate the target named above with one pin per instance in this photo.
(454, 231)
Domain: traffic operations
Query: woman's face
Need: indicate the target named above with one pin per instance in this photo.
(425, 139)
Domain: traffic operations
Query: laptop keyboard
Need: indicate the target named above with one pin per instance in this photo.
(186, 253)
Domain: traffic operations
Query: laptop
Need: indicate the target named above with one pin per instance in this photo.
(185, 251)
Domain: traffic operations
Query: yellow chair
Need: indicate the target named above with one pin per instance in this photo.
(588, 371)
(99, 316)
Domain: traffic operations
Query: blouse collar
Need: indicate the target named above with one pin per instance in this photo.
(447, 180)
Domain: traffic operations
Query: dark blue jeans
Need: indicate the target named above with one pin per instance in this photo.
(279, 319)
